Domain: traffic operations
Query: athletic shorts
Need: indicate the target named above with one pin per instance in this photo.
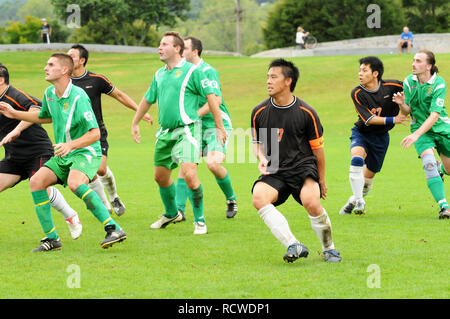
(375, 145)
(432, 140)
(24, 168)
(62, 166)
(180, 145)
(210, 142)
(103, 140)
(290, 183)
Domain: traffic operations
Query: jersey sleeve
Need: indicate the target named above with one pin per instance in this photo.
(438, 100)
(256, 114)
(407, 91)
(314, 129)
(105, 85)
(361, 106)
(45, 111)
(85, 115)
(201, 83)
(27, 101)
(213, 78)
(152, 93)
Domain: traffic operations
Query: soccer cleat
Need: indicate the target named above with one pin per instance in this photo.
(444, 213)
(441, 174)
(332, 256)
(113, 236)
(163, 221)
(231, 208)
(75, 226)
(48, 244)
(183, 216)
(348, 207)
(295, 251)
(200, 228)
(118, 206)
(360, 207)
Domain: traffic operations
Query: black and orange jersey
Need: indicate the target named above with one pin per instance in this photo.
(33, 141)
(94, 85)
(378, 102)
(288, 134)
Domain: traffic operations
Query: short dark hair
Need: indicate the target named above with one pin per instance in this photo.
(196, 44)
(4, 73)
(84, 53)
(288, 69)
(375, 65)
(65, 59)
(177, 40)
(431, 59)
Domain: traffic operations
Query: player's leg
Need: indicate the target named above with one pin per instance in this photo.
(8, 181)
(97, 186)
(58, 202)
(320, 222)
(181, 194)
(39, 183)
(368, 180)
(445, 169)
(195, 194)
(266, 193)
(109, 182)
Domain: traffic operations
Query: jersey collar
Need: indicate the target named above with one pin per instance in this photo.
(199, 63)
(283, 107)
(66, 92)
(430, 81)
(80, 77)
(371, 91)
(4, 92)
(179, 65)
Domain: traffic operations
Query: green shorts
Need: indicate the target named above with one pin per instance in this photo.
(433, 140)
(180, 145)
(62, 166)
(210, 142)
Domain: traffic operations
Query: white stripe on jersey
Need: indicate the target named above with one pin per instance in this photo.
(184, 117)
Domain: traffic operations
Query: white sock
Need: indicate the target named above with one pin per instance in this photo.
(322, 226)
(356, 178)
(278, 224)
(59, 203)
(97, 186)
(368, 184)
(109, 182)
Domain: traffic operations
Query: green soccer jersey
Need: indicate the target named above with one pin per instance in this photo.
(424, 99)
(72, 117)
(213, 78)
(177, 93)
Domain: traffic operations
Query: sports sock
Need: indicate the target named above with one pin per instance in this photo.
(322, 227)
(356, 177)
(434, 181)
(225, 186)
(367, 185)
(44, 214)
(98, 187)
(109, 182)
(59, 203)
(278, 225)
(95, 205)
(168, 198)
(196, 198)
(181, 194)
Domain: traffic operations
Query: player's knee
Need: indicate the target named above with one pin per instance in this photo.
(102, 171)
(36, 184)
(430, 166)
(313, 206)
(259, 200)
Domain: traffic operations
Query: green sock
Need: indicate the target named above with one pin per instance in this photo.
(168, 198)
(42, 207)
(181, 194)
(196, 198)
(225, 186)
(95, 205)
(436, 186)
(442, 169)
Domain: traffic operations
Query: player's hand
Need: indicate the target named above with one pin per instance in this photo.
(62, 149)
(11, 136)
(401, 119)
(262, 166)
(7, 110)
(399, 98)
(409, 140)
(222, 135)
(147, 117)
(323, 189)
(135, 132)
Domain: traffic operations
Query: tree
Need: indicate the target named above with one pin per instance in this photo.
(8, 10)
(329, 20)
(28, 32)
(36, 8)
(427, 16)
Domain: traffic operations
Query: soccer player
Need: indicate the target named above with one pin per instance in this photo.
(176, 88)
(377, 114)
(94, 85)
(77, 153)
(211, 148)
(27, 148)
(288, 143)
(424, 97)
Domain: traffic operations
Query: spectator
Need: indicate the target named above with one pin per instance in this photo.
(300, 38)
(406, 40)
(46, 31)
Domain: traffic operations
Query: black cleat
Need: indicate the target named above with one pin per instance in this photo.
(113, 236)
(332, 256)
(118, 206)
(295, 251)
(444, 213)
(48, 244)
(231, 208)
(183, 217)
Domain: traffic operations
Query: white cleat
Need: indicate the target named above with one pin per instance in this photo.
(360, 207)
(348, 207)
(163, 221)
(75, 226)
(200, 228)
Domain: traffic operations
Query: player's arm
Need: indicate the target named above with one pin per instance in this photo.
(90, 137)
(33, 117)
(127, 101)
(205, 108)
(215, 111)
(22, 126)
(262, 160)
(320, 156)
(143, 108)
(425, 127)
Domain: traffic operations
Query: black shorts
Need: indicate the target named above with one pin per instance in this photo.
(24, 168)
(290, 183)
(103, 140)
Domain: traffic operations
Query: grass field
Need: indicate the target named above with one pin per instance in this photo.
(401, 235)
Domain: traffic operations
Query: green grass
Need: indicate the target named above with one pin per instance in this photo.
(239, 258)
